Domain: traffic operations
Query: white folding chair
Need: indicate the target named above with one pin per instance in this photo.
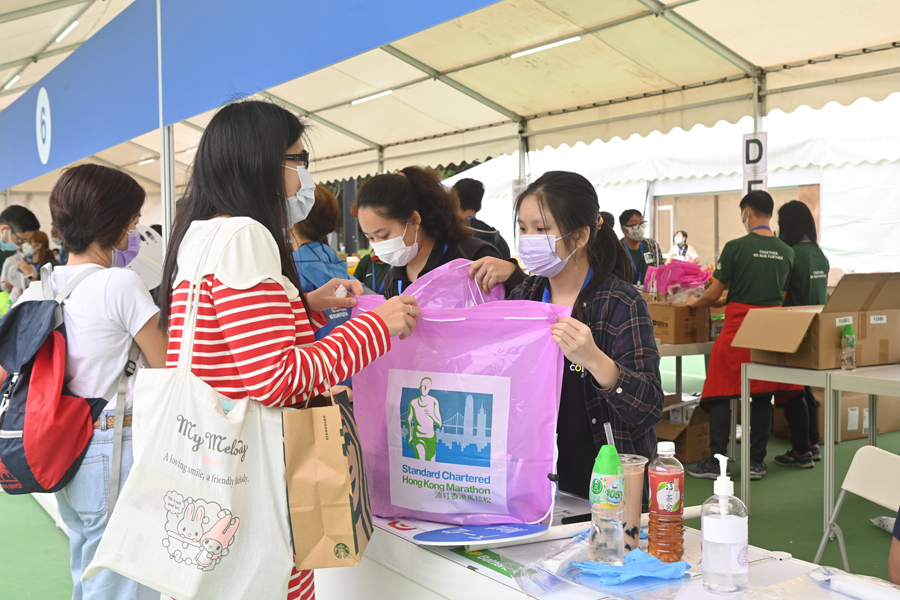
(871, 476)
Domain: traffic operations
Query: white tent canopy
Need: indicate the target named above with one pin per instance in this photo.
(852, 151)
(458, 94)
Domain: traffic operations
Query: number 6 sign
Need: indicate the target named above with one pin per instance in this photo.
(42, 125)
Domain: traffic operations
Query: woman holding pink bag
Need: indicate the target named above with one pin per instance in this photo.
(612, 365)
(255, 326)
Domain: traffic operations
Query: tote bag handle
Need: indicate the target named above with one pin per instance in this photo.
(192, 308)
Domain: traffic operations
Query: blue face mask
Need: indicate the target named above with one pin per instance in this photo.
(7, 245)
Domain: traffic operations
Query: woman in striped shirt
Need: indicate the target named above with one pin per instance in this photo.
(255, 330)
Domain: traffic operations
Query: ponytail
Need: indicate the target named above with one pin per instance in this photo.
(396, 196)
(573, 203)
(606, 255)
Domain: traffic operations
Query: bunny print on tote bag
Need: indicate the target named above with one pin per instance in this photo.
(198, 533)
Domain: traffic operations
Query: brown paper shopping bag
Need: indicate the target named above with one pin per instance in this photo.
(328, 498)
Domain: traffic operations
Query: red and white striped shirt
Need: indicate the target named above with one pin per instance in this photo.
(258, 343)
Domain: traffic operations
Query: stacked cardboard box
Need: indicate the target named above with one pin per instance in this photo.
(810, 336)
(688, 427)
(675, 323)
(854, 416)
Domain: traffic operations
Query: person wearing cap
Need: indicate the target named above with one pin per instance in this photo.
(470, 193)
(643, 251)
(755, 270)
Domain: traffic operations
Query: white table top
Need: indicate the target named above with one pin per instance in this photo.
(794, 375)
(882, 381)
(462, 576)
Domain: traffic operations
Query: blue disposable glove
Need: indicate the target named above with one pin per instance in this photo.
(637, 564)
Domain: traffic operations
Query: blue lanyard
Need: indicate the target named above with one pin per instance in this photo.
(628, 252)
(805, 239)
(400, 281)
(546, 297)
(381, 289)
(761, 227)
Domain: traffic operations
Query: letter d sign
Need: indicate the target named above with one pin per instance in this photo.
(754, 158)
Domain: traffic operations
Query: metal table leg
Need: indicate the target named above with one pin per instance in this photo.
(745, 437)
(830, 406)
(678, 381)
(873, 419)
(732, 440)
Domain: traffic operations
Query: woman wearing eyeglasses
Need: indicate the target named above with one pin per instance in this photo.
(248, 187)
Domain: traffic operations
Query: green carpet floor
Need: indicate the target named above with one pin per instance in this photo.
(787, 516)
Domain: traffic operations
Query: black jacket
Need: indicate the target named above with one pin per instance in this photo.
(470, 248)
(483, 231)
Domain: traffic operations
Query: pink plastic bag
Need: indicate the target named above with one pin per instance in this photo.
(458, 422)
(449, 286)
(678, 274)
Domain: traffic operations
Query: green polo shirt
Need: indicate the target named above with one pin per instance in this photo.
(808, 283)
(756, 269)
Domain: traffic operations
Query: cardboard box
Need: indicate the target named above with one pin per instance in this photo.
(715, 328)
(675, 323)
(688, 427)
(854, 417)
(809, 337)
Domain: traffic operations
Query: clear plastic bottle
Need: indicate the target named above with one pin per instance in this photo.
(607, 496)
(666, 505)
(724, 535)
(848, 349)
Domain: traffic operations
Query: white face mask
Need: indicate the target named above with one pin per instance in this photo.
(299, 205)
(27, 249)
(395, 252)
(746, 223)
(636, 232)
(538, 252)
(57, 241)
(679, 240)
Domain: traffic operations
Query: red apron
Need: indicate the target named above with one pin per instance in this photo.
(723, 377)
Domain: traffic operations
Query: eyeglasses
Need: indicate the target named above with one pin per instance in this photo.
(303, 157)
(19, 241)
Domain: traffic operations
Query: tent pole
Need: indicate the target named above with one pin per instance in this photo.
(7, 198)
(759, 99)
(167, 182)
(380, 168)
(351, 236)
(523, 152)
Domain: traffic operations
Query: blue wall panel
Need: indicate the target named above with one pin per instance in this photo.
(103, 94)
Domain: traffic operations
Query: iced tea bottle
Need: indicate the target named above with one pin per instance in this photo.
(666, 505)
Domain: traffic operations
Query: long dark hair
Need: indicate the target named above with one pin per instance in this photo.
(573, 204)
(238, 171)
(395, 196)
(795, 222)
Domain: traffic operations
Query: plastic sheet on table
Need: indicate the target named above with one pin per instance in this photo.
(827, 583)
(553, 574)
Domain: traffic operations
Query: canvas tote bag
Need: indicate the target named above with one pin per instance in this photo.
(328, 495)
(203, 513)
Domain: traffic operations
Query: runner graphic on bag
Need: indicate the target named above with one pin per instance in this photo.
(423, 417)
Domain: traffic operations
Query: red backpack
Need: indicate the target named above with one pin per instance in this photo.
(45, 429)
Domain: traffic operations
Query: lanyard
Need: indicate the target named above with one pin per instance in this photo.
(546, 297)
(400, 281)
(805, 239)
(761, 227)
(381, 289)
(628, 252)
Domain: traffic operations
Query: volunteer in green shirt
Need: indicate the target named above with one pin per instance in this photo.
(807, 286)
(643, 251)
(755, 270)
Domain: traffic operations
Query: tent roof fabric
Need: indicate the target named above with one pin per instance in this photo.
(639, 66)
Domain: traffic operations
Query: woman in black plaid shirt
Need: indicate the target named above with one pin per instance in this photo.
(612, 364)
